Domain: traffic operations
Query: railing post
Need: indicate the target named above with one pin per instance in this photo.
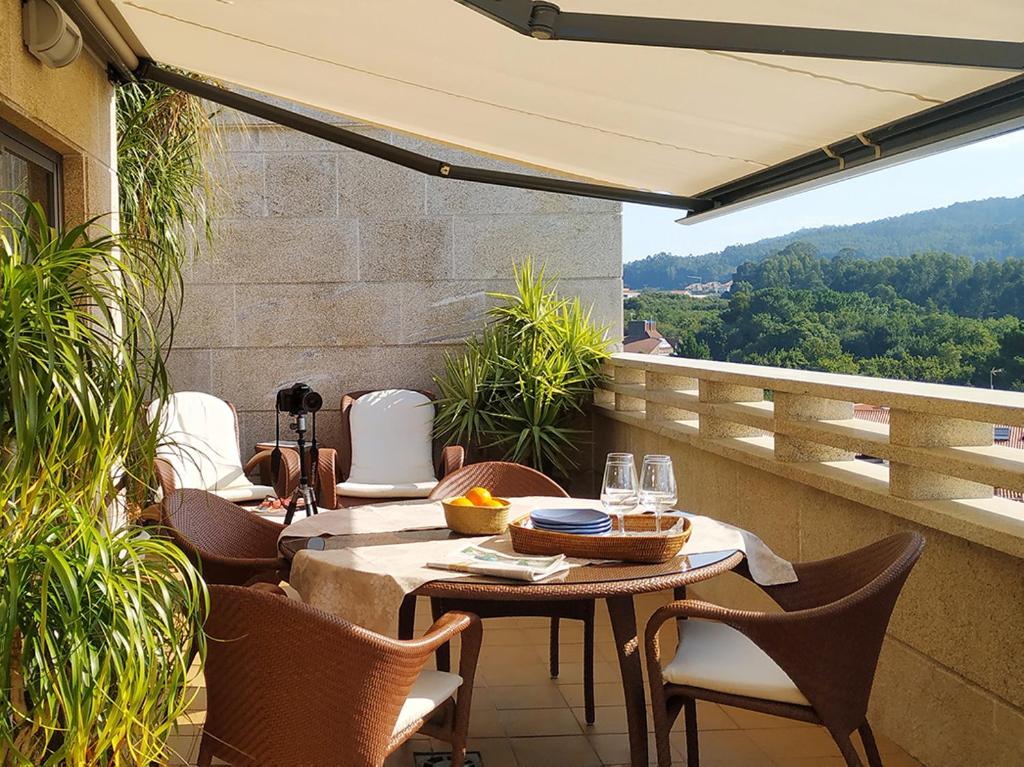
(623, 402)
(800, 407)
(666, 382)
(715, 427)
(910, 429)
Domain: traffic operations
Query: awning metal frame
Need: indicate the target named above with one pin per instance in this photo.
(546, 21)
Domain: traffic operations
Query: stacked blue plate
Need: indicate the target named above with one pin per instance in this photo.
(574, 521)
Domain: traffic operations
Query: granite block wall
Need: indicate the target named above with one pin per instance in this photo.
(347, 272)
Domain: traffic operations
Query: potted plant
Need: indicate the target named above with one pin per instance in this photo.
(519, 390)
(98, 623)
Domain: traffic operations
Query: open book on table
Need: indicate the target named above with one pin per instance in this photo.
(476, 559)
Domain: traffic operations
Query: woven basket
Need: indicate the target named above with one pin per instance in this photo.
(653, 548)
(476, 520)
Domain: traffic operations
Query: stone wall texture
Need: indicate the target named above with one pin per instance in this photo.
(950, 685)
(348, 272)
(69, 109)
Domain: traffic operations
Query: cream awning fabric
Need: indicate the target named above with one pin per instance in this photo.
(659, 119)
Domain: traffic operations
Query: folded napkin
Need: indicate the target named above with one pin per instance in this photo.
(766, 567)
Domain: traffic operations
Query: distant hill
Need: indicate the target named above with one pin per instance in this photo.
(980, 230)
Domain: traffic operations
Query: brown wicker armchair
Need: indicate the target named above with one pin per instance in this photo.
(341, 481)
(512, 480)
(229, 544)
(200, 448)
(814, 662)
(288, 684)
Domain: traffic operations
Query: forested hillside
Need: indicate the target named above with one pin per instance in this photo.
(980, 230)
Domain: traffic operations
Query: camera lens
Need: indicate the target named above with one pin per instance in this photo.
(312, 401)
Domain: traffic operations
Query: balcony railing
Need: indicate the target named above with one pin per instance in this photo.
(937, 463)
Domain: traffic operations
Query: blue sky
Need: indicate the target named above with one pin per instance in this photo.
(992, 168)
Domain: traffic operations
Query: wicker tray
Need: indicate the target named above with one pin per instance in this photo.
(651, 548)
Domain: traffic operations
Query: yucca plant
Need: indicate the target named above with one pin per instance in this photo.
(520, 388)
(98, 623)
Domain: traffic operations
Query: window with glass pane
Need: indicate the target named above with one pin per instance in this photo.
(28, 168)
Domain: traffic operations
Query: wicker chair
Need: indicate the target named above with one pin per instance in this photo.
(512, 480)
(229, 544)
(197, 450)
(814, 662)
(337, 480)
(288, 684)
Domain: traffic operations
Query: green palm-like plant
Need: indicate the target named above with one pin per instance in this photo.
(522, 385)
(97, 622)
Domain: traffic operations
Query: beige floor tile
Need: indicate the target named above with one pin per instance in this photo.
(486, 723)
(614, 749)
(514, 674)
(605, 694)
(570, 751)
(792, 742)
(724, 748)
(494, 752)
(539, 722)
(527, 696)
(572, 672)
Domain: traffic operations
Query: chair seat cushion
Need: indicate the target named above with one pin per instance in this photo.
(238, 493)
(430, 690)
(717, 657)
(386, 489)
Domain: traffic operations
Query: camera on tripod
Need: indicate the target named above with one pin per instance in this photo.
(298, 400)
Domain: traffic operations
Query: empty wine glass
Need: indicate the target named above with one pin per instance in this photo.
(619, 490)
(657, 486)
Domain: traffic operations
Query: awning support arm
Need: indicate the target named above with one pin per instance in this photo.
(432, 167)
(546, 21)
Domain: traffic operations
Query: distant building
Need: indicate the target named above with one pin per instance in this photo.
(642, 337)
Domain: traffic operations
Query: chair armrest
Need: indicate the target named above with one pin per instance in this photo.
(287, 478)
(165, 476)
(452, 458)
(325, 479)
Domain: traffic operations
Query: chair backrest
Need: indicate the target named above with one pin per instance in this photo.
(289, 684)
(387, 437)
(501, 478)
(836, 617)
(229, 542)
(199, 440)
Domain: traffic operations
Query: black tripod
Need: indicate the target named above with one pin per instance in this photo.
(303, 491)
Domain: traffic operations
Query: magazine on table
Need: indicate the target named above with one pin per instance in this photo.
(476, 559)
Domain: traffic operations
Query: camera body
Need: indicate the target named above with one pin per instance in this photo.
(298, 399)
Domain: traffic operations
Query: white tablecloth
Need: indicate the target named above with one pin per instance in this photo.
(366, 584)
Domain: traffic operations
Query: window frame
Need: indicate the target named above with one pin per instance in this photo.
(24, 146)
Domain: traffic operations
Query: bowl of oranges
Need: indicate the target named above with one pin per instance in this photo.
(476, 513)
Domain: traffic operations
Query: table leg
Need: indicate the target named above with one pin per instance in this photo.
(628, 646)
(407, 617)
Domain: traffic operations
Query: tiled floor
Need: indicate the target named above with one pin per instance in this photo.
(523, 718)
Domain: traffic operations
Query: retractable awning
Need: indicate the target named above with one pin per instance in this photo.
(748, 98)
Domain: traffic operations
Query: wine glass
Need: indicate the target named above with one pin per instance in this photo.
(657, 486)
(619, 491)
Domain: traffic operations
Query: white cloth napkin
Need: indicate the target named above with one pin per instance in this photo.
(366, 584)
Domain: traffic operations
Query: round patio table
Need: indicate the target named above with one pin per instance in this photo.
(617, 583)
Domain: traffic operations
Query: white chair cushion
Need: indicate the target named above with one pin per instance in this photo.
(386, 490)
(714, 656)
(392, 437)
(248, 492)
(198, 440)
(430, 690)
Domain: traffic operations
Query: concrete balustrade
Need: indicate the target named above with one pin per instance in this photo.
(772, 450)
